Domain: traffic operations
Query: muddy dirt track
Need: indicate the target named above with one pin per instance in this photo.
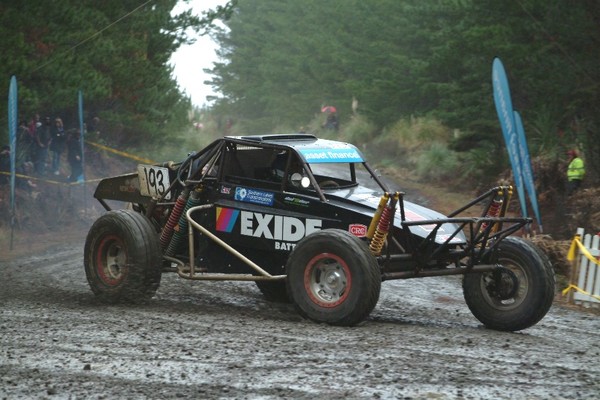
(223, 340)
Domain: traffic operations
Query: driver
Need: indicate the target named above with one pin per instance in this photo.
(279, 164)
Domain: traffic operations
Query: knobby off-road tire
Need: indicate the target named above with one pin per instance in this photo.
(122, 257)
(332, 277)
(532, 298)
(274, 291)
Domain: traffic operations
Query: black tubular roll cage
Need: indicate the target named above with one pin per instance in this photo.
(485, 232)
(197, 175)
(485, 235)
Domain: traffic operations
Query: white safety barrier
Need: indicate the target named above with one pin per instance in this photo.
(585, 253)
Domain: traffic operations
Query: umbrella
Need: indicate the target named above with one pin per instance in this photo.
(328, 109)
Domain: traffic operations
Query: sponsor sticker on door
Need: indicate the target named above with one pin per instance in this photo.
(248, 195)
(358, 230)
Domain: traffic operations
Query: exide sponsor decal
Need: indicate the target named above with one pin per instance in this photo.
(358, 230)
(282, 229)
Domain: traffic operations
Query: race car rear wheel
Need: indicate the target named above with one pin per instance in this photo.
(274, 291)
(122, 257)
(332, 277)
(515, 296)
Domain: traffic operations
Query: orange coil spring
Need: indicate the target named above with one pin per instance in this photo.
(167, 232)
(383, 227)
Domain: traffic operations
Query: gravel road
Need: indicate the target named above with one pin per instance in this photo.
(223, 340)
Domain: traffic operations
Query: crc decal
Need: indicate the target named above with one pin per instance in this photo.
(254, 196)
(225, 189)
(358, 230)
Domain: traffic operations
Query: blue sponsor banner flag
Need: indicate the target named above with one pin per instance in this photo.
(12, 142)
(81, 136)
(505, 112)
(526, 167)
(12, 136)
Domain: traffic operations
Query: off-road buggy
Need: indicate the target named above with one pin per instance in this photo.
(295, 214)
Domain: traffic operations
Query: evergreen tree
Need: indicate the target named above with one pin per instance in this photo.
(283, 60)
(116, 52)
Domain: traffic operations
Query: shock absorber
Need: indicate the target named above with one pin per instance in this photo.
(494, 210)
(180, 230)
(377, 216)
(167, 232)
(383, 226)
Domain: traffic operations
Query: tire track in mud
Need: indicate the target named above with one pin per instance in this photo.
(223, 340)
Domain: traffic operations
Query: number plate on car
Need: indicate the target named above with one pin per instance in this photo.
(154, 181)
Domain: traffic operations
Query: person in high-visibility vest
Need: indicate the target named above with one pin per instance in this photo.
(575, 172)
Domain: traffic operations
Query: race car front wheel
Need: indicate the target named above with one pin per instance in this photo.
(518, 294)
(122, 257)
(332, 277)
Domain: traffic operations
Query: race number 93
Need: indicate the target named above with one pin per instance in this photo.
(154, 181)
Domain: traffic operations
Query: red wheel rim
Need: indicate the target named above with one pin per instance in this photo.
(111, 260)
(327, 280)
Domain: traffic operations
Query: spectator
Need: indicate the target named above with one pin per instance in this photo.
(74, 155)
(5, 170)
(575, 172)
(23, 183)
(57, 145)
(32, 127)
(32, 124)
(331, 122)
(43, 137)
(25, 149)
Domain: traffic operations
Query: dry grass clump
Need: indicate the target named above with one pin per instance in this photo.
(556, 250)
